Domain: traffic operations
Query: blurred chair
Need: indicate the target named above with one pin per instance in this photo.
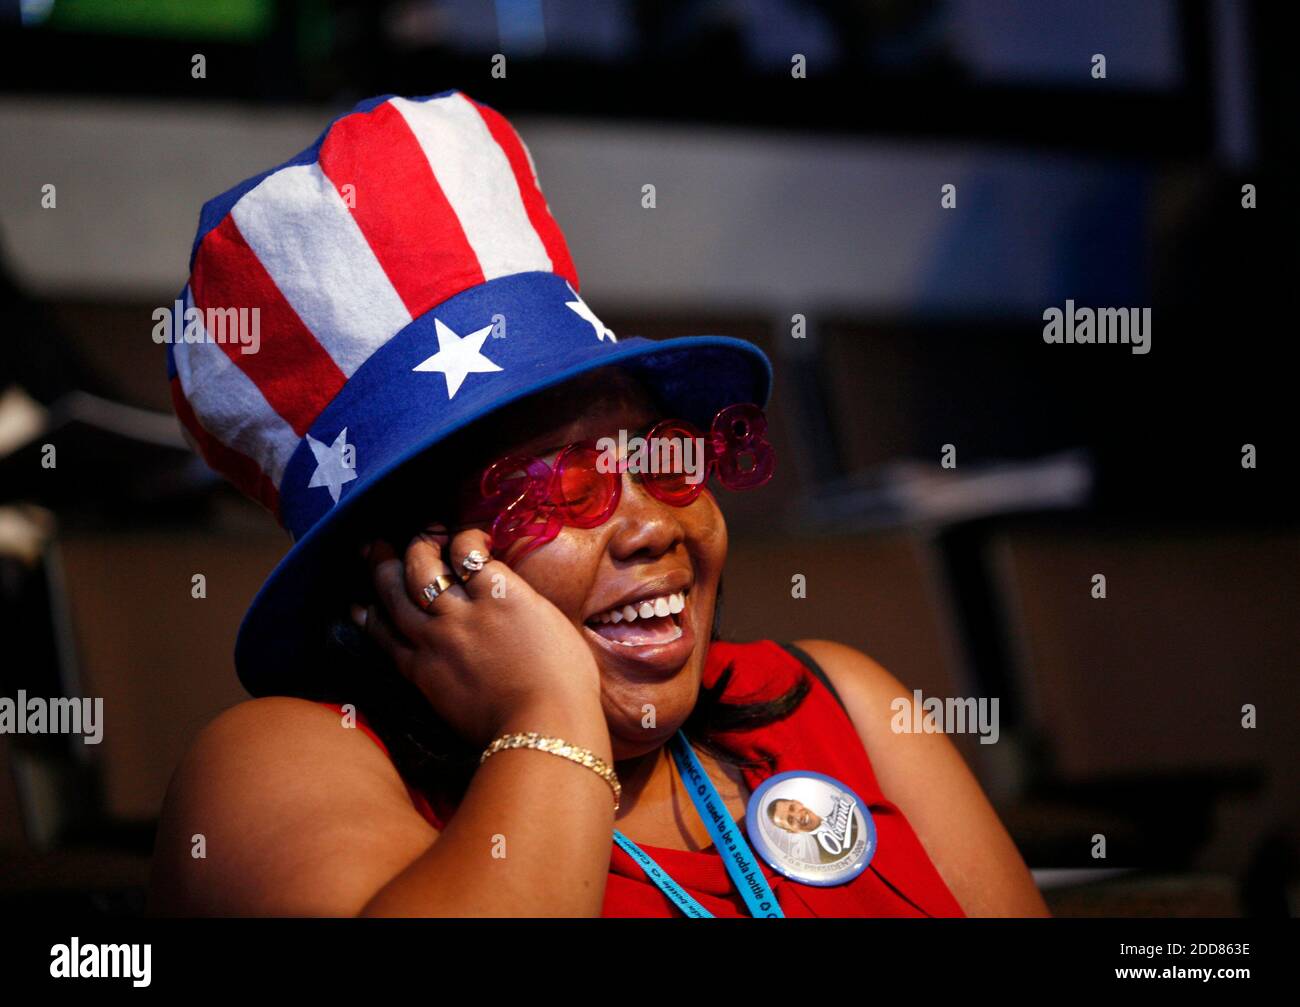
(160, 658)
(12, 837)
(1138, 697)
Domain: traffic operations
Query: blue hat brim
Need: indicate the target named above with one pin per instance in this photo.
(284, 630)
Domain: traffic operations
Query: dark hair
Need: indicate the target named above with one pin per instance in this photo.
(430, 756)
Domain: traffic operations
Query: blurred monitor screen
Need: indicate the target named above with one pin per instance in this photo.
(236, 20)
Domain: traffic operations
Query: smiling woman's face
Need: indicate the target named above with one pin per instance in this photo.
(650, 666)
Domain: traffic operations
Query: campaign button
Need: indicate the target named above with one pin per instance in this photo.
(811, 827)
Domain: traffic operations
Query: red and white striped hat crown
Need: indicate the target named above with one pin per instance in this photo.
(397, 207)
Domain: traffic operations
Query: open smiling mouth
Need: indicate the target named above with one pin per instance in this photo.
(647, 622)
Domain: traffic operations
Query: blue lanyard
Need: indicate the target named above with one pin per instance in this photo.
(738, 858)
(665, 882)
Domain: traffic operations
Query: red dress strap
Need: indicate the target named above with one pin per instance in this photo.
(418, 798)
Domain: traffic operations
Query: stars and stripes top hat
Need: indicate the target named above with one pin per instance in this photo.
(397, 280)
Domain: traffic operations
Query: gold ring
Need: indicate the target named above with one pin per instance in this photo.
(429, 593)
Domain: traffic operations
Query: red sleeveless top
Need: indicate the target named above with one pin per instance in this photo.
(899, 881)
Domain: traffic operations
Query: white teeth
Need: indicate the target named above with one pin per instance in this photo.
(667, 604)
(678, 636)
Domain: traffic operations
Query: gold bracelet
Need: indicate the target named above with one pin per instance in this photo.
(558, 746)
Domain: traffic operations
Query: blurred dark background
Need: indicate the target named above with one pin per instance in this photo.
(777, 197)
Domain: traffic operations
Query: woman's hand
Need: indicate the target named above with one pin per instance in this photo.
(286, 841)
(487, 648)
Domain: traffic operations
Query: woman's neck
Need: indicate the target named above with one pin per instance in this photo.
(656, 809)
(642, 777)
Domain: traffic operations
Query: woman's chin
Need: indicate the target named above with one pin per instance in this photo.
(642, 720)
(632, 741)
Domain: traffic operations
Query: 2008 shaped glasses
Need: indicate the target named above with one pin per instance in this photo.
(526, 498)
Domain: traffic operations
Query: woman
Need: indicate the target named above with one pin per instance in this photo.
(519, 617)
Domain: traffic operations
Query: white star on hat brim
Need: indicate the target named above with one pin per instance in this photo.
(579, 307)
(334, 464)
(458, 356)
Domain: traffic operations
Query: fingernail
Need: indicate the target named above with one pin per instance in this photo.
(359, 615)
